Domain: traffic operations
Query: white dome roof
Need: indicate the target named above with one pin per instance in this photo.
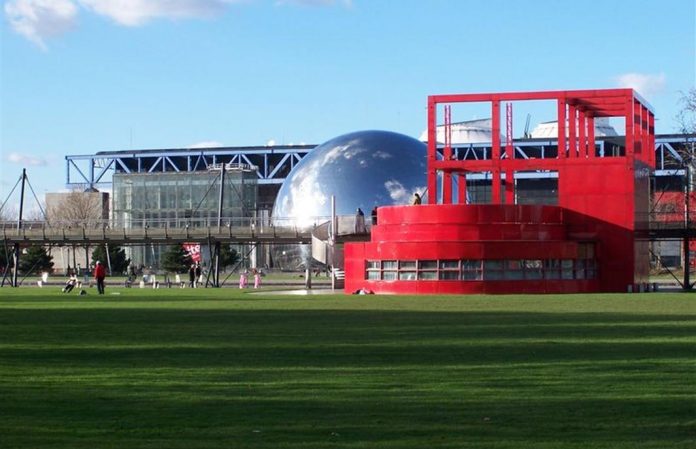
(471, 131)
(550, 129)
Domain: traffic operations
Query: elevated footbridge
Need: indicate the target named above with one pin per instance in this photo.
(166, 232)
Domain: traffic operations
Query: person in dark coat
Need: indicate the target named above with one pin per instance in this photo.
(360, 222)
(192, 275)
(374, 215)
(416, 199)
(198, 279)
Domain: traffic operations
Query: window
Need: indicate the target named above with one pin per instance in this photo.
(449, 270)
(407, 275)
(567, 269)
(427, 265)
(533, 268)
(493, 270)
(472, 270)
(513, 270)
(552, 269)
(389, 264)
(427, 275)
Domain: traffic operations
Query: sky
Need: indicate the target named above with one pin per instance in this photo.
(82, 76)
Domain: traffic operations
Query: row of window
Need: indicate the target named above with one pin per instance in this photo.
(480, 270)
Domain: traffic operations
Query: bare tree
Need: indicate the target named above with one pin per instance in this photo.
(686, 118)
(8, 213)
(76, 208)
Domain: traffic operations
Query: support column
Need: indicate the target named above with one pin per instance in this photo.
(447, 156)
(509, 187)
(582, 134)
(572, 132)
(561, 128)
(432, 149)
(461, 193)
(630, 120)
(495, 153)
(638, 128)
(591, 148)
(216, 267)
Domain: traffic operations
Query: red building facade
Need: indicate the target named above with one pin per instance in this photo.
(584, 243)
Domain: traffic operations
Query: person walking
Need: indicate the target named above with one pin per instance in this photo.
(257, 278)
(198, 275)
(99, 276)
(243, 279)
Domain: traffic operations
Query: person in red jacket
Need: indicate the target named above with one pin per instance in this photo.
(99, 275)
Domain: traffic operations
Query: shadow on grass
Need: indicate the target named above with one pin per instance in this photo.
(314, 378)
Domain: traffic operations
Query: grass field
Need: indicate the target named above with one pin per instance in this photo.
(228, 369)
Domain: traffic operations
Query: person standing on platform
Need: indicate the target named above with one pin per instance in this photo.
(416, 199)
(374, 215)
(360, 222)
(99, 276)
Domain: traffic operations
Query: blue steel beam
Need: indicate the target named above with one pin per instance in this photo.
(274, 163)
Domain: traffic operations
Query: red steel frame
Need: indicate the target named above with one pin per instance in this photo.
(577, 108)
(601, 201)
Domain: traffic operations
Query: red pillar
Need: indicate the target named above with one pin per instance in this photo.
(495, 187)
(582, 134)
(638, 128)
(561, 128)
(590, 137)
(510, 187)
(461, 193)
(651, 137)
(447, 155)
(432, 149)
(630, 120)
(572, 131)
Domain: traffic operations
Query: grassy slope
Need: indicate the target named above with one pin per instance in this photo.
(222, 368)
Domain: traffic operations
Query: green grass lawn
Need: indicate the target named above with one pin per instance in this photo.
(228, 369)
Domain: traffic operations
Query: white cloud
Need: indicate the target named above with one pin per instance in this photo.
(644, 83)
(139, 12)
(38, 20)
(207, 144)
(315, 2)
(23, 159)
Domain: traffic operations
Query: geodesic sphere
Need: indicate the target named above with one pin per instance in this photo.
(362, 169)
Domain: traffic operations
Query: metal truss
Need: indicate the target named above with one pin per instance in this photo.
(274, 163)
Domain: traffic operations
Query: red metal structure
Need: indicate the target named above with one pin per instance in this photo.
(585, 242)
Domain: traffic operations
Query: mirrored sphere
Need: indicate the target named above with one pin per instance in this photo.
(362, 169)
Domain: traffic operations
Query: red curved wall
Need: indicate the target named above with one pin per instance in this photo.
(454, 232)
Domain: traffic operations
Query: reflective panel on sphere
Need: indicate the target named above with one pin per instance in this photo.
(362, 169)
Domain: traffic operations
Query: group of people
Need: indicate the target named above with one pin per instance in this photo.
(360, 215)
(195, 273)
(99, 279)
(244, 278)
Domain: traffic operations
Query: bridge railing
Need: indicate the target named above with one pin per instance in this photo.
(243, 228)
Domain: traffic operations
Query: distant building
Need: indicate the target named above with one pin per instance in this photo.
(180, 199)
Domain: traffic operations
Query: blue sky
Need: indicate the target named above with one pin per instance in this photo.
(81, 76)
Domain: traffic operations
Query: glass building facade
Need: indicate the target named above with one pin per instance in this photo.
(182, 199)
